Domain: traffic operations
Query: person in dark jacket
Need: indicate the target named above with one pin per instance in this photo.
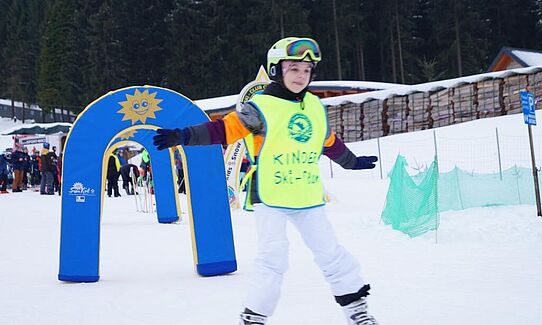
(34, 169)
(113, 172)
(181, 187)
(59, 172)
(26, 169)
(56, 177)
(4, 171)
(127, 183)
(47, 167)
(18, 163)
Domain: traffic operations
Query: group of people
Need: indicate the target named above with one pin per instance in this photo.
(20, 169)
(42, 170)
(118, 165)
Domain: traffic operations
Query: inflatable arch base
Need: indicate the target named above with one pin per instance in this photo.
(141, 110)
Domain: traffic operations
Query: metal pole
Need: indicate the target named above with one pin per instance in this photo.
(498, 151)
(436, 186)
(437, 217)
(535, 174)
(379, 157)
(134, 186)
(435, 144)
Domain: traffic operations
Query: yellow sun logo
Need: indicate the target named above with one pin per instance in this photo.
(140, 106)
(127, 135)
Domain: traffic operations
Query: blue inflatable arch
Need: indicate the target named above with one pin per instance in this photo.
(142, 109)
(167, 201)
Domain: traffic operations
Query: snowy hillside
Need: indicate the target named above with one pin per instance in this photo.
(481, 267)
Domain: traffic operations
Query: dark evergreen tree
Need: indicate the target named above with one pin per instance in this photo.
(21, 48)
(127, 41)
(144, 33)
(459, 30)
(377, 36)
(404, 28)
(320, 19)
(245, 39)
(212, 48)
(4, 25)
(86, 9)
(425, 65)
(513, 24)
(59, 78)
(106, 69)
(194, 50)
(215, 50)
(381, 51)
(289, 18)
(353, 34)
(13, 49)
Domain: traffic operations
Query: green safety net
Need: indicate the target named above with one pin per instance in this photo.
(460, 190)
(413, 203)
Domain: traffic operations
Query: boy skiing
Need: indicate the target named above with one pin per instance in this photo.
(289, 129)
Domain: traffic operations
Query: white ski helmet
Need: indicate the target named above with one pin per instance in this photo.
(291, 48)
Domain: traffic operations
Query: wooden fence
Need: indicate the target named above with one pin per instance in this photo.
(494, 95)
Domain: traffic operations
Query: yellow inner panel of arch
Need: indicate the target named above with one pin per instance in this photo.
(111, 147)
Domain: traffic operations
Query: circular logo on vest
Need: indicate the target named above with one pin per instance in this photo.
(300, 128)
(255, 88)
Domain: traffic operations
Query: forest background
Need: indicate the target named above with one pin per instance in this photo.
(66, 53)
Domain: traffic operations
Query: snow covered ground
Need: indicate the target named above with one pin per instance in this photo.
(483, 266)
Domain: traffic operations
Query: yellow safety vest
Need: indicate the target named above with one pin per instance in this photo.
(288, 171)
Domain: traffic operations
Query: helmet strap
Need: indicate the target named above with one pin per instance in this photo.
(275, 72)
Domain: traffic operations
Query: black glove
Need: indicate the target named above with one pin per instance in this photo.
(166, 138)
(365, 162)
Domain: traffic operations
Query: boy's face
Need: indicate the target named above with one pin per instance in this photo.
(296, 75)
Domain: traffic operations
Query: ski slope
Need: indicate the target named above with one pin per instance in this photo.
(483, 266)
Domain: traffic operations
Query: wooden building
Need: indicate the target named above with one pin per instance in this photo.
(219, 106)
(431, 105)
(513, 58)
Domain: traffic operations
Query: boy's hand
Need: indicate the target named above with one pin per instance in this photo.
(166, 138)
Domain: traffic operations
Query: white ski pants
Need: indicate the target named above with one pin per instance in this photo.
(339, 268)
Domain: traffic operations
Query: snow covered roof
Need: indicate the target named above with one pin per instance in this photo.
(509, 57)
(225, 102)
(38, 128)
(426, 87)
(351, 84)
(530, 58)
(388, 89)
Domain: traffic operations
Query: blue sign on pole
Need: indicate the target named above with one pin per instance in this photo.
(529, 108)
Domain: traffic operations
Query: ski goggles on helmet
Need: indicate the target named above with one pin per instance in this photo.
(301, 48)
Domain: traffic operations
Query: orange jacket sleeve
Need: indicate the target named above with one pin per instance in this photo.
(234, 128)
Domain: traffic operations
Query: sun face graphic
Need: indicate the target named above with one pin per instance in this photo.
(78, 186)
(140, 106)
(127, 135)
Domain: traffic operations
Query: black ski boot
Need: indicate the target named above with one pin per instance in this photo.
(356, 313)
(248, 317)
